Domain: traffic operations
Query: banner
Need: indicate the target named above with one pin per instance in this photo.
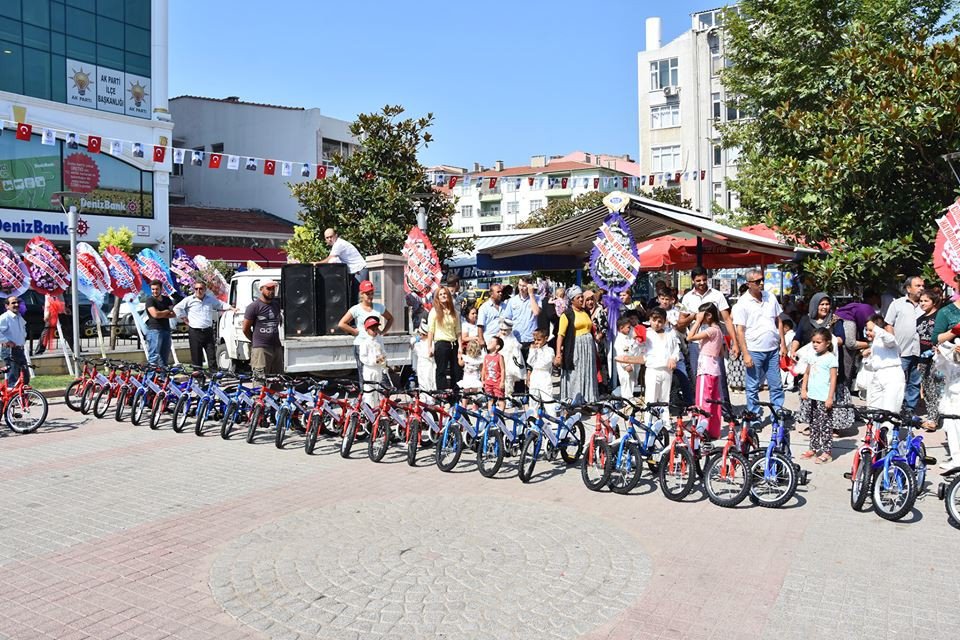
(14, 274)
(946, 250)
(184, 271)
(216, 283)
(48, 271)
(614, 263)
(93, 277)
(124, 274)
(153, 267)
(422, 272)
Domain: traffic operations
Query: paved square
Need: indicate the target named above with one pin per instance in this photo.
(114, 531)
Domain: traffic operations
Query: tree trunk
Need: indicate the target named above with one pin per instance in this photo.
(114, 322)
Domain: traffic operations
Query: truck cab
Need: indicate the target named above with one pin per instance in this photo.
(233, 348)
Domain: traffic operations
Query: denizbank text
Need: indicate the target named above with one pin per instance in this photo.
(35, 226)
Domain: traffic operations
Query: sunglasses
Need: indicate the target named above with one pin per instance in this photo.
(755, 281)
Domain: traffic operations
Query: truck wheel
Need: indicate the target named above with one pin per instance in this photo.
(224, 361)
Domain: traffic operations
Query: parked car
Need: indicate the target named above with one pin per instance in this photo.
(34, 316)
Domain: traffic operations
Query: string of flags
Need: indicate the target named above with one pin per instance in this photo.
(159, 152)
(494, 183)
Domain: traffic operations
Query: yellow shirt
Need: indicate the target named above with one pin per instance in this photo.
(581, 324)
(448, 330)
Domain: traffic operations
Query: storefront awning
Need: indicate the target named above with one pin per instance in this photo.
(265, 257)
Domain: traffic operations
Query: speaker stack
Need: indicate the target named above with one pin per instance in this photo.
(314, 298)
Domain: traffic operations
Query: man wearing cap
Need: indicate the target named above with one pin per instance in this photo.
(261, 325)
(13, 335)
(523, 310)
(200, 312)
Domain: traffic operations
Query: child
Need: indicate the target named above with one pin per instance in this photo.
(471, 361)
(660, 352)
(373, 358)
(787, 378)
(625, 346)
(706, 331)
(882, 358)
(512, 356)
(947, 361)
(492, 371)
(540, 363)
(425, 365)
(819, 386)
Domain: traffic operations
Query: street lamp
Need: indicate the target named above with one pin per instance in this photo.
(72, 214)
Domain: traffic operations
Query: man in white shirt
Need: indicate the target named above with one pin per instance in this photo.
(345, 252)
(200, 312)
(703, 293)
(13, 335)
(901, 318)
(756, 317)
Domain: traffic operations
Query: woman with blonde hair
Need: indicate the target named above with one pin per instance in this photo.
(443, 325)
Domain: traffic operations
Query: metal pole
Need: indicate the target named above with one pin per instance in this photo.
(75, 299)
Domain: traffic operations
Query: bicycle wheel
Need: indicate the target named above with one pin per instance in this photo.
(156, 410)
(625, 475)
(379, 440)
(528, 456)
(73, 394)
(490, 452)
(101, 403)
(413, 440)
(860, 486)
(449, 446)
(772, 487)
(283, 423)
(349, 435)
(228, 420)
(952, 500)
(895, 500)
(727, 482)
(26, 411)
(86, 400)
(921, 467)
(596, 464)
(572, 444)
(256, 417)
(181, 412)
(203, 410)
(677, 476)
(137, 406)
(313, 430)
(121, 411)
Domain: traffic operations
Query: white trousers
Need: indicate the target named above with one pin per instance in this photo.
(657, 384)
(886, 389)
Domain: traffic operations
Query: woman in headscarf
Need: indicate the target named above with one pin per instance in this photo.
(576, 352)
(820, 315)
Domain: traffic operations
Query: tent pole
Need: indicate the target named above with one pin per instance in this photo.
(699, 251)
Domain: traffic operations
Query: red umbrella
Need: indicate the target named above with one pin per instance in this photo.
(670, 252)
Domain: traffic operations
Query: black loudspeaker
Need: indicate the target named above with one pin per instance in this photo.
(298, 287)
(333, 295)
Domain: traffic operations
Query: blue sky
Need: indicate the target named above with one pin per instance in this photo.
(505, 80)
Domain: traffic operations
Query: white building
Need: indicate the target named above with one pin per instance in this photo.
(263, 131)
(500, 198)
(60, 72)
(680, 100)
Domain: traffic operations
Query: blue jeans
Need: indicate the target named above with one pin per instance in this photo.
(911, 371)
(16, 361)
(766, 365)
(158, 347)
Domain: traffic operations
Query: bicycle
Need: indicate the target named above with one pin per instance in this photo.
(24, 408)
(291, 405)
(145, 395)
(949, 492)
(774, 476)
(357, 425)
(726, 472)
(125, 394)
(264, 400)
(118, 378)
(595, 467)
(73, 394)
(328, 411)
(567, 439)
(494, 439)
(418, 415)
(629, 452)
(898, 473)
(193, 388)
(452, 437)
(871, 450)
(679, 466)
(212, 400)
(169, 389)
(238, 406)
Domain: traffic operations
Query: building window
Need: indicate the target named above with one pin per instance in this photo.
(490, 211)
(489, 227)
(513, 208)
(216, 147)
(717, 106)
(733, 155)
(664, 116)
(664, 73)
(330, 148)
(666, 158)
(466, 229)
(466, 211)
(733, 200)
(733, 110)
(717, 155)
(716, 61)
(536, 205)
(718, 193)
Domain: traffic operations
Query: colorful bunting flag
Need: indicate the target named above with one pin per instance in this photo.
(269, 167)
(286, 168)
(93, 144)
(48, 137)
(215, 160)
(159, 153)
(24, 131)
(233, 163)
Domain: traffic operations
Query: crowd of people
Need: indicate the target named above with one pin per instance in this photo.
(898, 354)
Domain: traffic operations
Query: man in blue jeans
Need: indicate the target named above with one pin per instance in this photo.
(756, 317)
(901, 321)
(159, 311)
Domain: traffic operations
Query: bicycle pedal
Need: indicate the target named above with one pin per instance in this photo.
(942, 490)
(929, 460)
(848, 475)
(804, 478)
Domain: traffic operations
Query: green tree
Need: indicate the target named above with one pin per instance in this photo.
(121, 238)
(851, 103)
(371, 196)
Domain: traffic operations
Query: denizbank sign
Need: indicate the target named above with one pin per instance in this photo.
(34, 227)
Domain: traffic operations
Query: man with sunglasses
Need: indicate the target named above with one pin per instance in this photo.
(756, 317)
(200, 312)
(13, 335)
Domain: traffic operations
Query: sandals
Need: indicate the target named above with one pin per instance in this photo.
(809, 453)
(929, 425)
(805, 431)
(824, 458)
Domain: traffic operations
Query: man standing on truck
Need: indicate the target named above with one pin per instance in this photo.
(261, 325)
(345, 252)
(199, 311)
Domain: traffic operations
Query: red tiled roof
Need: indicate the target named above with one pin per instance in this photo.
(553, 167)
(238, 101)
(229, 221)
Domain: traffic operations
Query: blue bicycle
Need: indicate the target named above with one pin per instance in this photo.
(456, 429)
(566, 439)
(213, 400)
(495, 438)
(900, 473)
(774, 475)
(185, 402)
(631, 451)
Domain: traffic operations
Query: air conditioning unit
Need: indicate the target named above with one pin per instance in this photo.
(670, 92)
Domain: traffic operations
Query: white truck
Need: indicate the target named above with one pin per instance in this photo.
(312, 354)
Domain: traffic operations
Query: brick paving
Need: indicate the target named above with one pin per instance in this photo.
(114, 531)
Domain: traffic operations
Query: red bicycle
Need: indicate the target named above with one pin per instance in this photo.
(24, 408)
(726, 472)
(330, 411)
(422, 420)
(680, 465)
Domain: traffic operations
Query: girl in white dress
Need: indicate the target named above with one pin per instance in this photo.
(540, 363)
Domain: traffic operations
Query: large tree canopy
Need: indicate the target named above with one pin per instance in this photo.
(371, 197)
(851, 103)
